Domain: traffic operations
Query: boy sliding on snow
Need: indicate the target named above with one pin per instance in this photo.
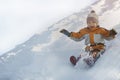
(94, 36)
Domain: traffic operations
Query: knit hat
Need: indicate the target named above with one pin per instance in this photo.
(92, 16)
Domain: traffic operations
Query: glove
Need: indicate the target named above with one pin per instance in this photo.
(65, 32)
(113, 32)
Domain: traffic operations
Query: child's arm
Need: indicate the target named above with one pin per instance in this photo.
(108, 34)
(77, 36)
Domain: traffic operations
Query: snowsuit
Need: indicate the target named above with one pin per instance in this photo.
(94, 39)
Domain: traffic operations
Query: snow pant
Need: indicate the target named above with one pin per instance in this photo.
(95, 50)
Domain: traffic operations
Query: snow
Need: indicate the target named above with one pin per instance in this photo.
(21, 19)
(45, 56)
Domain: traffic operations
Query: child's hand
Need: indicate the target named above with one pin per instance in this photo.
(65, 32)
(113, 32)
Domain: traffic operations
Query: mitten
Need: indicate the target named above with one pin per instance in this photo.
(112, 32)
(65, 32)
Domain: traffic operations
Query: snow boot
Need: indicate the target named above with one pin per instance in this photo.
(73, 60)
(89, 61)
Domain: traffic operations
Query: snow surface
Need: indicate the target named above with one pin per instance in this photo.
(45, 56)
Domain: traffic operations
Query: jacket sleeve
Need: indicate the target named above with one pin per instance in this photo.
(77, 36)
(106, 34)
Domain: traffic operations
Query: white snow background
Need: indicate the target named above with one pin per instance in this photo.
(21, 19)
(45, 56)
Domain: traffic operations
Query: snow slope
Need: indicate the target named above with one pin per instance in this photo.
(46, 56)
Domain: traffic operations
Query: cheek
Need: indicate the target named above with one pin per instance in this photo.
(95, 24)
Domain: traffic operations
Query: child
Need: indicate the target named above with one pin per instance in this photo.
(94, 36)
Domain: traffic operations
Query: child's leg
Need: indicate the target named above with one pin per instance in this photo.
(96, 54)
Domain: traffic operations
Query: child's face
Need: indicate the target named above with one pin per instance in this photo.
(91, 24)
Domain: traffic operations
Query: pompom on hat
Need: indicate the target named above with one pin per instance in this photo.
(92, 16)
